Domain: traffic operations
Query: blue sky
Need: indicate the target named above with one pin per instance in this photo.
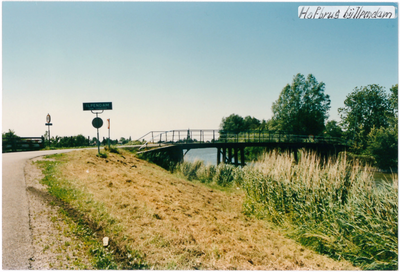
(177, 65)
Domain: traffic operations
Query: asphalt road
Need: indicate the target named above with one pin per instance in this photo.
(16, 236)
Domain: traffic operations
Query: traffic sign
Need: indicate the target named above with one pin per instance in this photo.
(97, 122)
(97, 106)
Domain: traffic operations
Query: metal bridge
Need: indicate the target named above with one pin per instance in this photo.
(230, 145)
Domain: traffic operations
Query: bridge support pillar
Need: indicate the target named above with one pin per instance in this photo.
(230, 155)
(242, 157)
(295, 151)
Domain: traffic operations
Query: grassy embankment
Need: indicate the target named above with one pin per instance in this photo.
(160, 220)
(336, 209)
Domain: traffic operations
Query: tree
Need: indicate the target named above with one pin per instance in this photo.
(10, 135)
(81, 140)
(302, 107)
(383, 146)
(365, 108)
(332, 129)
(394, 103)
(251, 123)
(233, 123)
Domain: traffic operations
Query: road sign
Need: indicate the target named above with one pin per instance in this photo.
(97, 106)
(48, 118)
(97, 122)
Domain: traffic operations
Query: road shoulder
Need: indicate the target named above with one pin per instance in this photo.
(54, 245)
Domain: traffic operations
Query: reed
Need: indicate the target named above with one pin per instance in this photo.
(333, 207)
(224, 175)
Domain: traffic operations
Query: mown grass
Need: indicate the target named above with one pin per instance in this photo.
(169, 222)
(88, 219)
(335, 208)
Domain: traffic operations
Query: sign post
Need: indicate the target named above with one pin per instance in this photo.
(108, 133)
(48, 124)
(97, 122)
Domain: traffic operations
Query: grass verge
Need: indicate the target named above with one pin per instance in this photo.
(89, 220)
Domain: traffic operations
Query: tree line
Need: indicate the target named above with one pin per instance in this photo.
(69, 141)
(368, 120)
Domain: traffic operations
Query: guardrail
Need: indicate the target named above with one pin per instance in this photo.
(22, 144)
(218, 136)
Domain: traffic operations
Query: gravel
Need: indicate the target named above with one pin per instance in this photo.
(54, 244)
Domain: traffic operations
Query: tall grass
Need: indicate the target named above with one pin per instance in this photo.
(223, 175)
(335, 207)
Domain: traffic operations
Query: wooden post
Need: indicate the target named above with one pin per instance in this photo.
(218, 155)
(295, 154)
(236, 156)
(242, 162)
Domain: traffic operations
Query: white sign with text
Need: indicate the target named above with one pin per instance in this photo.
(347, 12)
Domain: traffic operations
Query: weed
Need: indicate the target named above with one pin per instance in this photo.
(102, 155)
(57, 155)
(112, 149)
(46, 248)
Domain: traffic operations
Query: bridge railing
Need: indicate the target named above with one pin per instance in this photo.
(218, 136)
